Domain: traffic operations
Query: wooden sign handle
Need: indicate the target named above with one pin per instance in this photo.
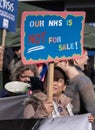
(4, 37)
(2, 49)
(50, 81)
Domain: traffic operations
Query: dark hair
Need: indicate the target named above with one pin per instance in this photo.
(64, 76)
(16, 48)
(71, 62)
(58, 73)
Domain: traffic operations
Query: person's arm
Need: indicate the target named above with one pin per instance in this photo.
(28, 112)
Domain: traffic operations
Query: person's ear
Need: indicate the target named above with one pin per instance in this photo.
(64, 88)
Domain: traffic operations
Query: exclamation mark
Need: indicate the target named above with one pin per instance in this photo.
(76, 45)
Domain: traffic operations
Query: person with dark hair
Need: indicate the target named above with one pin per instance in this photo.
(81, 62)
(80, 89)
(83, 65)
(11, 56)
(37, 105)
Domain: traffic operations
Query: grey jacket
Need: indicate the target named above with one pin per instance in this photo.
(81, 90)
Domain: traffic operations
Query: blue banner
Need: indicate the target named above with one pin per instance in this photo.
(8, 14)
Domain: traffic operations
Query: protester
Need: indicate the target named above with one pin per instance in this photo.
(22, 73)
(83, 65)
(79, 89)
(37, 105)
(11, 56)
(81, 62)
(27, 73)
(16, 57)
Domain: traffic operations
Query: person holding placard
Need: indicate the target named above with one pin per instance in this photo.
(37, 105)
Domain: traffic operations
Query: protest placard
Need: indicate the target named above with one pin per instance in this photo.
(49, 36)
(8, 14)
(8, 17)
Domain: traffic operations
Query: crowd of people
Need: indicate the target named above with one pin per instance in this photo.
(73, 91)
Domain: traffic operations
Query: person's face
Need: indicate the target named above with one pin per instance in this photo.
(25, 76)
(85, 57)
(58, 87)
(82, 61)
